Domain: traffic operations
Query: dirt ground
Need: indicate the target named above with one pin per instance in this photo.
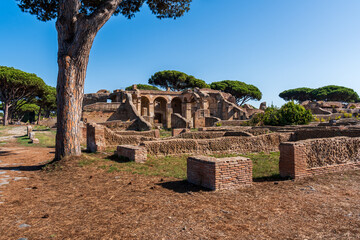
(73, 202)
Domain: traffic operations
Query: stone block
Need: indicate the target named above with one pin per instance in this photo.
(133, 153)
(35, 141)
(28, 130)
(31, 135)
(219, 173)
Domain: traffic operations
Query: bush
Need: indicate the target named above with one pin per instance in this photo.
(288, 114)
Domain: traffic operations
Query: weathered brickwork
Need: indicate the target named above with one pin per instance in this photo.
(133, 153)
(177, 131)
(219, 173)
(114, 139)
(263, 143)
(318, 156)
(95, 137)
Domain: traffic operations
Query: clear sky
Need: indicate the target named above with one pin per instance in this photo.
(272, 44)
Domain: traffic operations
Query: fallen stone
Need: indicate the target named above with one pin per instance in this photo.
(35, 141)
(24, 225)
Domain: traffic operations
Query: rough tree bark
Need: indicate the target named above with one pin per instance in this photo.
(76, 33)
(6, 113)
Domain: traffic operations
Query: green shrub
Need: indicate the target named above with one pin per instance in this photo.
(218, 124)
(352, 106)
(288, 114)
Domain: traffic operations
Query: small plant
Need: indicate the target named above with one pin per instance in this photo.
(338, 117)
(352, 106)
(218, 124)
(347, 115)
(316, 119)
(322, 120)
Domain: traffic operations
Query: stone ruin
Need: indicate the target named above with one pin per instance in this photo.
(129, 121)
(145, 109)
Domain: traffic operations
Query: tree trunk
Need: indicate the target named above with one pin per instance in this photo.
(39, 115)
(76, 34)
(70, 92)
(6, 114)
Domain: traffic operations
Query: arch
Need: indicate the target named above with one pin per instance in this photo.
(176, 105)
(160, 105)
(145, 106)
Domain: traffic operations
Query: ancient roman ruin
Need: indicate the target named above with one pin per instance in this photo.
(132, 122)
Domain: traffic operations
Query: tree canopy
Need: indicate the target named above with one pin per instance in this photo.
(142, 87)
(46, 10)
(176, 80)
(241, 91)
(77, 24)
(326, 93)
(297, 94)
(17, 88)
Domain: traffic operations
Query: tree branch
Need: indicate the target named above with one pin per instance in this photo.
(103, 13)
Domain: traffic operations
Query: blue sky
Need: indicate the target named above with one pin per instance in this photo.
(272, 44)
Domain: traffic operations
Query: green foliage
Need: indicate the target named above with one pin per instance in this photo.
(48, 10)
(297, 94)
(218, 124)
(142, 87)
(241, 91)
(176, 80)
(289, 114)
(352, 107)
(327, 93)
(47, 99)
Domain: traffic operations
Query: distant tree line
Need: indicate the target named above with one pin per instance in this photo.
(179, 81)
(327, 93)
(24, 95)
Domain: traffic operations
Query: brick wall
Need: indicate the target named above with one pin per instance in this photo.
(325, 133)
(318, 156)
(95, 137)
(219, 173)
(262, 143)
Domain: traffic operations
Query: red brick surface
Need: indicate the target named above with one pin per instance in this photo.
(133, 153)
(219, 173)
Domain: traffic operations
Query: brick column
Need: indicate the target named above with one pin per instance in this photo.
(292, 160)
(95, 137)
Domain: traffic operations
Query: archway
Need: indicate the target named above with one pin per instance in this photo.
(160, 105)
(176, 105)
(145, 106)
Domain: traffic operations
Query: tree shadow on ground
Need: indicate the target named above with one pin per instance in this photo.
(272, 178)
(182, 186)
(117, 159)
(24, 168)
(6, 153)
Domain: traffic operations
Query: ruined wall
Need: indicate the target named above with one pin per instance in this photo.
(325, 133)
(262, 143)
(113, 139)
(152, 133)
(213, 134)
(210, 121)
(318, 156)
(178, 121)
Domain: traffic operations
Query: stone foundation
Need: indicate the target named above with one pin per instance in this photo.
(219, 173)
(318, 156)
(133, 153)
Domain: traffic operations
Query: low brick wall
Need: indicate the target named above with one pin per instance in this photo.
(177, 131)
(152, 133)
(262, 143)
(133, 153)
(219, 173)
(318, 156)
(113, 139)
(325, 133)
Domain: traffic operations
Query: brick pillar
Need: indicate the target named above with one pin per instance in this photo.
(95, 137)
(292, 160)
(169, 112)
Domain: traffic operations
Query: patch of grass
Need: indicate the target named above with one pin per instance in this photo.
(265, 165)
(165, 133)
(46, 139)
(41, 128)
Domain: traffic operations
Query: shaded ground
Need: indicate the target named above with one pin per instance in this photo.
(81, 200)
